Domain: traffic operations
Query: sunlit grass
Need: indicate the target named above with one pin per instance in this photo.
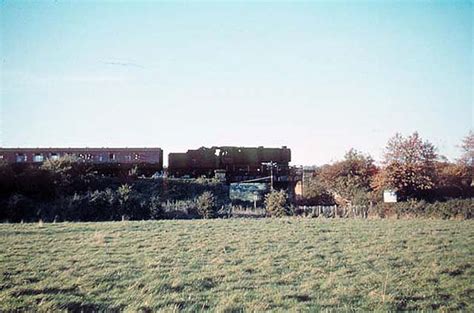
(238, 264)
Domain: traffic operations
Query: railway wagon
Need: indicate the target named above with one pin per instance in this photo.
(104, 160)
(236, 162)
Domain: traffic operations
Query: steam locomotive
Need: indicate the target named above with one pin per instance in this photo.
(236, 163)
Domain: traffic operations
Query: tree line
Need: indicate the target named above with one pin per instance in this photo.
(426, 183)
(411, 167)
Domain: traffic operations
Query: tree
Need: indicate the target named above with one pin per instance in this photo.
(276, 203)
(68, 174)
(350, 177)
(467, 147)
(316, 192)
(453, 179)
(409, 166)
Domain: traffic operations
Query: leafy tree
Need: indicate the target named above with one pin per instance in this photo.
(69, 175)
(455, 175)
(467, 158)
(315, 191)
(276, 203)
(409, 166)
(350, 177)
(61, 166)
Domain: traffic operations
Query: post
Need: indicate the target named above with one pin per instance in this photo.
(271, 177)
(302, 182)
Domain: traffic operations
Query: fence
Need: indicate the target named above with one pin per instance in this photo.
(331, 211)
(240, 211)
(354, 211)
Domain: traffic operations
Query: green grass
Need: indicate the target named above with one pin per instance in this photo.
(233, 265)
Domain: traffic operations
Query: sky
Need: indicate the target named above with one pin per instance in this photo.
(318, 77)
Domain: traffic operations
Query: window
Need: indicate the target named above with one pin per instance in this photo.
(20, 157)
(128, 157)
(38, 157)
(54, 156)
(112, 156)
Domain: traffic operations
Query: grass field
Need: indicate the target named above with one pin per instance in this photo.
(238, 264)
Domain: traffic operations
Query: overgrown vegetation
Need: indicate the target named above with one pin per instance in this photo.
(62, 190)
(205, 204)
(276, 203)
(411, 167)
(228, 265)
(455, 208)
(67, 190)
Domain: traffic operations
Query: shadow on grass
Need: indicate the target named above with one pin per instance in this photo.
(50, 291)
(72, 306)
(299, 298)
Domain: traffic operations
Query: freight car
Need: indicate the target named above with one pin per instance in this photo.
(103, 160)
(236, 163)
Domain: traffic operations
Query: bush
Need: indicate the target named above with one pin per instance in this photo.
(360, 197)
(455, 208)
(205, 204)
(460, 208)
(315, 193)
(156, 209)
(20, 208)
(276, 203)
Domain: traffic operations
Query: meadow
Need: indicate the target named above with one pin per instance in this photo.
(294, 264)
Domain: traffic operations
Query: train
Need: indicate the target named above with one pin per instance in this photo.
(229, 163)
(111, 161)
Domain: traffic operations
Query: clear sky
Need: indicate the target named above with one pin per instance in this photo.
(319, 77)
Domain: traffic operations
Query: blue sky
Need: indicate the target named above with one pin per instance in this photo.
(319, 77)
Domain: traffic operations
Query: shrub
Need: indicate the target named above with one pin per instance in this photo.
(455, 208)
(180, 209)
(461, 208)
(20, 208)
(315, 193)
(156, 209)
(7, 179)
(205, 204)
(276, 203)
(360, 197)
(124, 192)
